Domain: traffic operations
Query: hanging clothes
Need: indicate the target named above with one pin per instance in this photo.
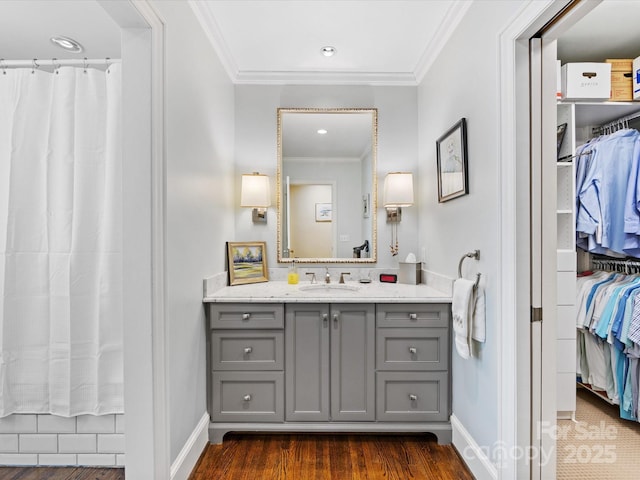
(608, 354)
(608, 195)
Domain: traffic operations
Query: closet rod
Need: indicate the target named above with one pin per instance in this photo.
(567, 157)
(620, 265)
(54, 62)
(616, 123)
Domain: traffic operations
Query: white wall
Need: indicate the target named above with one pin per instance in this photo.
(463, 82)
(344, 176)
(256, 149)
(199, 204)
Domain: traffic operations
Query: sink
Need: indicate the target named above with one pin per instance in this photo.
(328, 288)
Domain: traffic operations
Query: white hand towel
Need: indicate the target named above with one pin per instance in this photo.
(479, 329)
(462, 309)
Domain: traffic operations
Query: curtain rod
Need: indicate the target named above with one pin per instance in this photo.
(55, 62)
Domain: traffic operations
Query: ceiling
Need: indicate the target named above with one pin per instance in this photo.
(377, 41)
(27, 25)
(277, 41)
(347, 135)
(610, 27)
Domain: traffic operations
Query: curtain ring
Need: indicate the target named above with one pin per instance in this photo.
(3, 66)
(34, 65)
(85, 64)
(56, 67)
(108, 64)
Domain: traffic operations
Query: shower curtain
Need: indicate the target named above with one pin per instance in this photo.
(61, 241)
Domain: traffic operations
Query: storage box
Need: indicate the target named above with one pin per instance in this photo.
(621, 79)
(558, 80)
(586, 81)
(636, 79)
(409, 273)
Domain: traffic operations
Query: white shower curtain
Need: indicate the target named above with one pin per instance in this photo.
(61, 242)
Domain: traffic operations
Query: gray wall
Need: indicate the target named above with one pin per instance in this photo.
(199, 204)
(256, 149)
(463, 82)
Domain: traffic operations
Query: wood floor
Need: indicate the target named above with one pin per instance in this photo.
(61, 473)
(329, 457)
(297, 457)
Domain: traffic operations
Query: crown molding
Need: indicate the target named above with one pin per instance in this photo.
(325, 78)
(212, 31)
(446, 28)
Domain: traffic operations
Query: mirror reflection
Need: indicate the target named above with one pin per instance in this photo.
(327, 185)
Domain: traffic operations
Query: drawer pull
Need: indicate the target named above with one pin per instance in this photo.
(335, 318)
(246, 316)
(413, 350)
(248, 350)
(413, 397)
(247, 398)
(413, 316)
(325, 318)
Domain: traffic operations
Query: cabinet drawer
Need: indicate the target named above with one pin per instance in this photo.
(412, 396)
(413, 315)
(244, 350)
(247, 397)
(412, 349)
(250, 315)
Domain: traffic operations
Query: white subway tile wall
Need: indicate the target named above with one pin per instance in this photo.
(49, 440)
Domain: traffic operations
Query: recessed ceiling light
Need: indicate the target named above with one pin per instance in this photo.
(328, 51)
(322, 131)
(67, 43)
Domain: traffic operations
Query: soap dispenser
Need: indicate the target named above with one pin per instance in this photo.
(292, 277)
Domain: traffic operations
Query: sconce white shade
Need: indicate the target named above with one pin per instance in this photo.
(255, 191)
(398, 189)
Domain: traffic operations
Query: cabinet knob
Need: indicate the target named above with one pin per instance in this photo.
(248, 350)
(413, 397)
(413, 350)
(325, 318)
(335, 318)
(246, 316)
(247, 398)
(413, 316)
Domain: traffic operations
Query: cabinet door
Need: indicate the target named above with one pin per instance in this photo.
(352, 362)
(307, 362)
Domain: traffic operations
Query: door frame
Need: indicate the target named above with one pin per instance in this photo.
(147, 453)
(520, 459)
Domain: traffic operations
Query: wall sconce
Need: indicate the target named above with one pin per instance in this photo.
(256, 194)
(398, 193)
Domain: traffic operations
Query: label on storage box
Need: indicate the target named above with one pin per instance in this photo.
(586, 80)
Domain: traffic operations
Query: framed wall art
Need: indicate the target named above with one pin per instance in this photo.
(247, 262)
(451, 157)
(324, 212)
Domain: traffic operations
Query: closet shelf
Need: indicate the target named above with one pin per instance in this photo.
(597, 113)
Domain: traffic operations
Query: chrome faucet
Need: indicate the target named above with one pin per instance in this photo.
(327, 277)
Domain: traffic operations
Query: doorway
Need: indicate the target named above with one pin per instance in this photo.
(554, 259)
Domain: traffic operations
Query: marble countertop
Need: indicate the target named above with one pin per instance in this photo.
(350, 292)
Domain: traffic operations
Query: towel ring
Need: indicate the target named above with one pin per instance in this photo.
(475, 254)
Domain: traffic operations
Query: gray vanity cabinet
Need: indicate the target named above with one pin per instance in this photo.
(329, 367)
(247, 352)
(330, 362)
(412, 346)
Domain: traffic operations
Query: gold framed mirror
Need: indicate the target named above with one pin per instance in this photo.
(327, 185)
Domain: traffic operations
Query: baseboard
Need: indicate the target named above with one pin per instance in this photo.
(475, 457)
(190, 453)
